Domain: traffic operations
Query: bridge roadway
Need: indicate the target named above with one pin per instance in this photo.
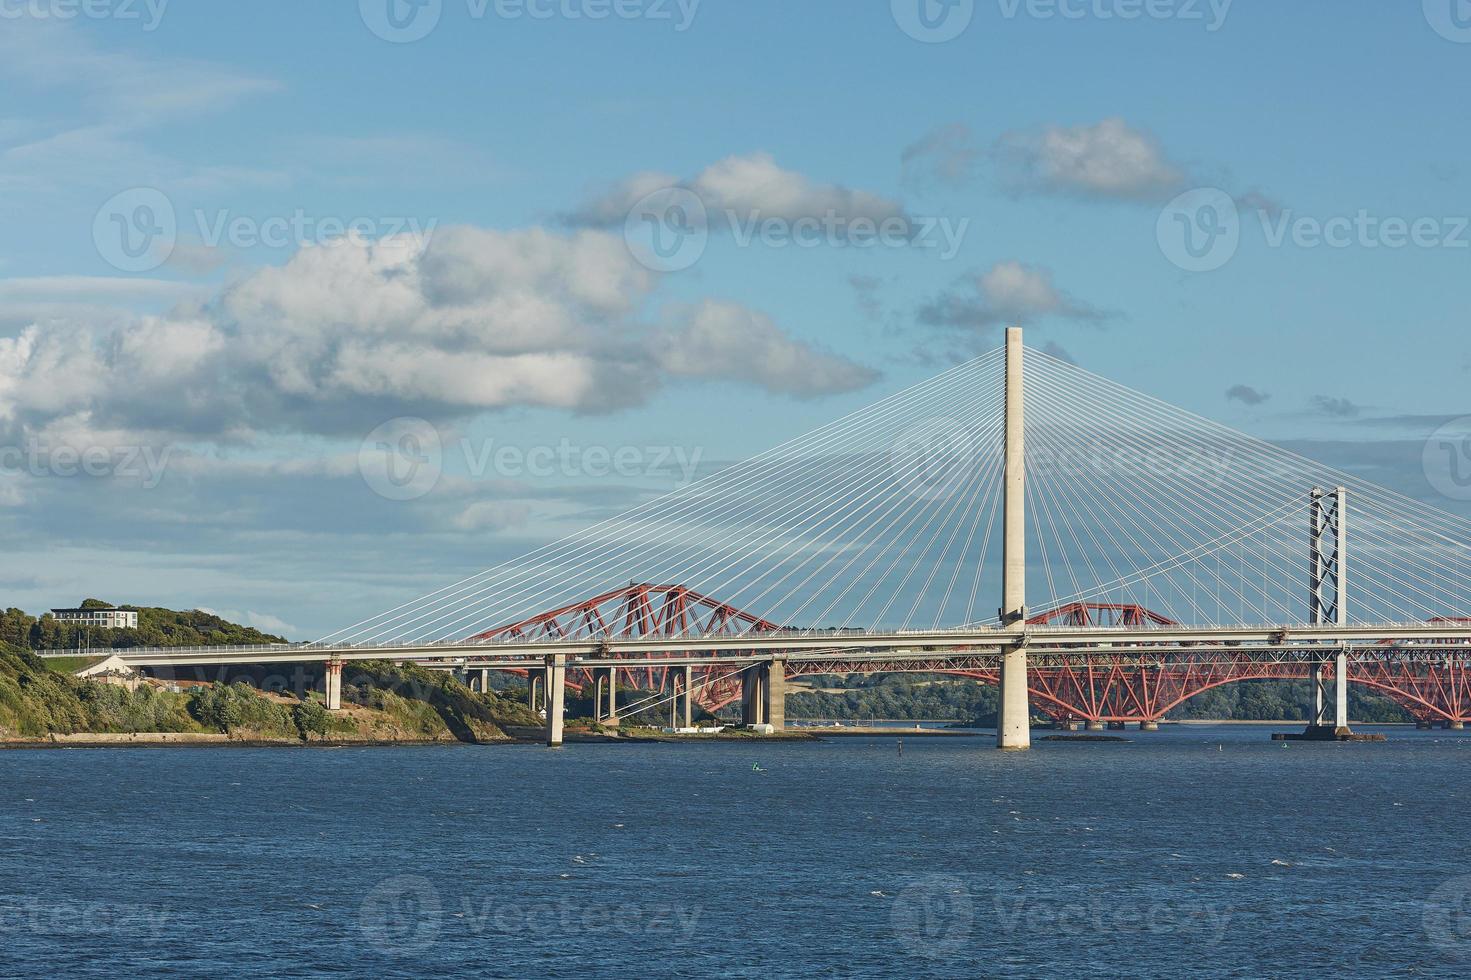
(1060, 642)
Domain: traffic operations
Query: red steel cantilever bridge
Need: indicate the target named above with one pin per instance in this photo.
(1142, 555)
(1095, 687)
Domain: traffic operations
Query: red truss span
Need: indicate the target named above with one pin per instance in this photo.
(1104, 689)
(642, 610)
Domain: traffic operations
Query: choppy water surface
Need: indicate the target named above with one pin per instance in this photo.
(1209, 851)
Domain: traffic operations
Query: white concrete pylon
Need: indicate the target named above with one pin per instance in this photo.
(1014, 722)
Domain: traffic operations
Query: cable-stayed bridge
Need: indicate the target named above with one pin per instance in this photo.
(1141, 554)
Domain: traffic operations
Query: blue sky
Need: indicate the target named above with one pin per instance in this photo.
(1050, 138)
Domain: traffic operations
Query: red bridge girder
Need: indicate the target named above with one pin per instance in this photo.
(635, 611)
(1100, 614)
(1110, 690)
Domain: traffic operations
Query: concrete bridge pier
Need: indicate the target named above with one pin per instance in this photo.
(1149, 726)
(480, 681)
(1424, 725)
(605, 695)
(1116, 726)
(332, 685)
(1455, 725)
(536, 688)
(764, 694)
(682, 704)
(1330, 698)
(555, 681)
(1094, 726)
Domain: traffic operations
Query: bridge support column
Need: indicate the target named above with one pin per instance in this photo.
(751, 695)
(535, 689)
(1115, 726)
(681, 705)
(1455, 725)
(1149, 726)
(605, 695)
(764, 694)
(775, 690)
(333, 685)
(482, 680)
(556, 697)
(1328, 605)
(1014, 715)
(1094, 726)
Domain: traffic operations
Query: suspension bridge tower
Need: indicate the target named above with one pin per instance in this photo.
(1014, 722)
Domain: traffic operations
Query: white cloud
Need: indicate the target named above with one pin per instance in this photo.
(345, 335)
(946, 156)
(264, 622)
(1110, 160)
(750, 185)
(1007, 293)
(725, 340)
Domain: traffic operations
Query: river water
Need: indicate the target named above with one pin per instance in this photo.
(1207, 851)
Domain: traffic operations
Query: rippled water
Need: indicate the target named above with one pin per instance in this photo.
(840, 858)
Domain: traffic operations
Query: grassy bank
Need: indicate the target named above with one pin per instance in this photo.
(382, 702)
